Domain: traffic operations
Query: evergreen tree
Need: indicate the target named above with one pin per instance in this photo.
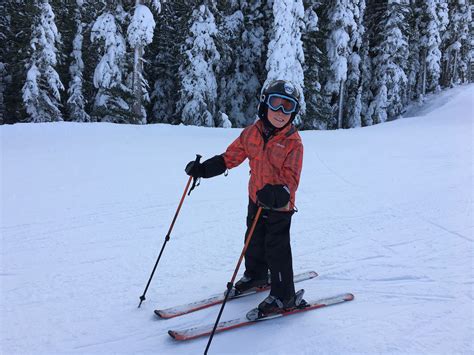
(19, 15)
(341, 22)
(76, 102)
(113, 100)
(414, 62)
(91, 10)
(242, 48)
(372, 16)
(229, 21)
(4, 36)
(432, 24)
(140, 34)
(455, 44)
(65, 20)
(198, 93)
(390, 53)
(318, 111)
(285, 55)
(165, 60)
(41, 91)
(353, 85)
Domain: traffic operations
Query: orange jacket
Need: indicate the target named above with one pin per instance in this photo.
(279, 161)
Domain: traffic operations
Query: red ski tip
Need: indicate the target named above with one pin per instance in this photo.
(349, 297)
(173, 334)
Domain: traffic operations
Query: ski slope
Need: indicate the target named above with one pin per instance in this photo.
(385, 212)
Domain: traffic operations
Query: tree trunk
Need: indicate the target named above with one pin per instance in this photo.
(455, 69)
(341, 105)
(423, 85)
(136, 82)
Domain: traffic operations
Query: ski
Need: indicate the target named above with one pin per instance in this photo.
(219, 298)
(192, 333)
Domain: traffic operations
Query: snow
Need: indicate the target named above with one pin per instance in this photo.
(140, 30)
(385, 212)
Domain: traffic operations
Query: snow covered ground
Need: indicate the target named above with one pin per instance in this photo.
(385, 212)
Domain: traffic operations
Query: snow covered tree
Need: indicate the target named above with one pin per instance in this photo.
(4, 35)
(353, 86)
(229, 21)
(139, 35)
(113, 100)
(76, 102)
(242, 48)
(456, 43)
(432, 24)
(414, 62)
(318, 110)
(285, 55)
(2, 90)
(341, 22)
(165, 59)
(198, 93)
(41, 91)
(389, 84)
(65, 20)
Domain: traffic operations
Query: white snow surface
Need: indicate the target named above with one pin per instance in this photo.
(385, 212)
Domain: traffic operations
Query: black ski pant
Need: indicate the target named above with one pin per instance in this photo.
(269, 248)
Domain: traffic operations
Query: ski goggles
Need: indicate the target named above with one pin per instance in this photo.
(286, 104)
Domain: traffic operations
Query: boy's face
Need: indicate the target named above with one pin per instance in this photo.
(278, 118)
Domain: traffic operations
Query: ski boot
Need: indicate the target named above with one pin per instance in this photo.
(246, 284)
(273, 306)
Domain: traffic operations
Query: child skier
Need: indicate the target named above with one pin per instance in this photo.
(275, 153)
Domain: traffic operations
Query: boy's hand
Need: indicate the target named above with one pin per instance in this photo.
(273, 196)
(194, 169)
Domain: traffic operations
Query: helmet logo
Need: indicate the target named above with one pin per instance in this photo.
(289, 88)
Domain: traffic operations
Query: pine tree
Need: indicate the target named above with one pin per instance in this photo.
(65, 15)
(390, 53)
(353, 85)
(432, 24)
(414, 62)
(41, 91)
(91, 10)
(20, 16)
(4, 36)
(165, 59)
(241, 45)
(455, 45)
(140, 34)
(318, 111)
(197, 102)
(113, 100)
(229, 21)
(372, 16)
(341, 22)
(76, 102)
(285, 55)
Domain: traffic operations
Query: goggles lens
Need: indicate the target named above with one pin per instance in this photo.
(286, 104)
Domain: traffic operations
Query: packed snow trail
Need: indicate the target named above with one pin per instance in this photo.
(385, 212)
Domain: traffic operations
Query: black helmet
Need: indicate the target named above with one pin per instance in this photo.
(279, 87)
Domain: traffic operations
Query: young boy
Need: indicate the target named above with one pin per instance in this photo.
(275, 153)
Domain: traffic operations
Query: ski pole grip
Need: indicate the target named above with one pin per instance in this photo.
(197, 161)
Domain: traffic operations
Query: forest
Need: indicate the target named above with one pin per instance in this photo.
(356, 62)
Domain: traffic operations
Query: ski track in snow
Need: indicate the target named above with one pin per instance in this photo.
(385, 212)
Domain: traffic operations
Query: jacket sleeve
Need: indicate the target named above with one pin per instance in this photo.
(291, 170)
(235, 153)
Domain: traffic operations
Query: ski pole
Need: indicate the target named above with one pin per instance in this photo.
(231, 283)
(167, 238)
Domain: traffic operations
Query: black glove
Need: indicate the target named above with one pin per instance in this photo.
(211, 167)
(194, 169)
(273, 196)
